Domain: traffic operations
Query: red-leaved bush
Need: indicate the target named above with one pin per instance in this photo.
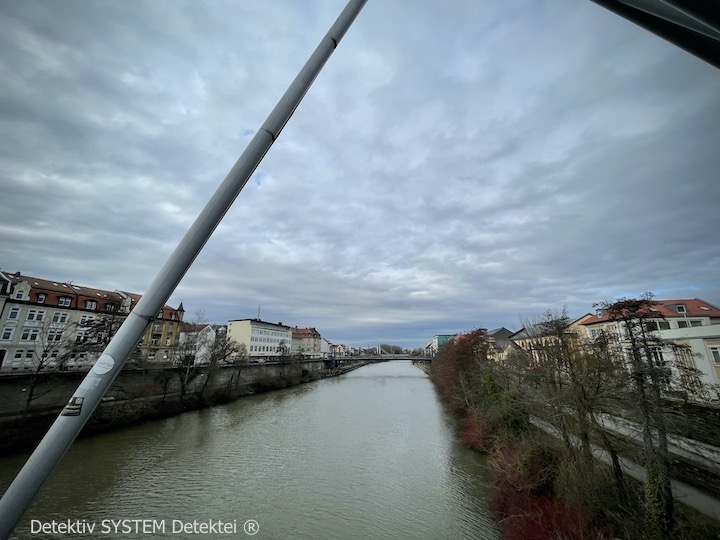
(524, 515)
(479, 432)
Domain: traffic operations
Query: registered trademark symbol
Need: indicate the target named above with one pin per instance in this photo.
(251, 527)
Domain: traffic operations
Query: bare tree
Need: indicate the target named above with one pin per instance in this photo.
(649, 377)
(222, 351)
(54, 345)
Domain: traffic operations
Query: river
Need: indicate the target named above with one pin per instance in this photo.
(370, 454)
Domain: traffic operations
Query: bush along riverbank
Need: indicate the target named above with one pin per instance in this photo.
(546, 487)
(137, 396)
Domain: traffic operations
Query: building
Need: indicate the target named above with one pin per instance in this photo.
(691, 322)
(536, 338)
(338, 349)
(55, 324)
(432, 347)
(262, 339)
(306, 342)
(195, 343)
(500, 344)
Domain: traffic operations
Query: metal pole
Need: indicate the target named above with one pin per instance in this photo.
(62, 433)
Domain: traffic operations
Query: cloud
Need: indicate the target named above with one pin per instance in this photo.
(449, 168)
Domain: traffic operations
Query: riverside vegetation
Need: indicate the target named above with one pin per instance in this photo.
(550, 488)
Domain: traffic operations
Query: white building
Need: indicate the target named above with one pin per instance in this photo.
(691, 322)
(197, 340)
(262, 339)
(432, 347)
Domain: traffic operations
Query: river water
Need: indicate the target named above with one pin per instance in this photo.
(370, 454)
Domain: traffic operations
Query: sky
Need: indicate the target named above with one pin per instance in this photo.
(455, 165)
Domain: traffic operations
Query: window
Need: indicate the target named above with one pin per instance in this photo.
(689, 323)
(36, 315)
(157, 327)
(19, 295)
(110, 307)
(664, 325)
(55, 334)
(14, 313)
(90, 304)
(657, 356)
(681, 308)
(29, 334)
(59, 317)
(41, 298)
(19, 354)
(151, 355)
(85, 320)
(7, 332)
(715, 352)
(64, 301)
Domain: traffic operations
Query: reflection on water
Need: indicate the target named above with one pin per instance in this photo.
(370, 454)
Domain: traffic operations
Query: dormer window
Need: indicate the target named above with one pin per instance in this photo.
(109, 307)
(64, 301)
(90, 304)
(681, 309)
(19, 295)
(41, 298)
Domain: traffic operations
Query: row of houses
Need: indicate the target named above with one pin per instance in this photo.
(691, 325)
(46, 323)
(52, 323)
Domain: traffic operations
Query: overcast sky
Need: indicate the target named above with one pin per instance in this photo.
(456, 164)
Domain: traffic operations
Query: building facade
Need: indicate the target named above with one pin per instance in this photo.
(306, 342)
(61, 325)
(432, 347)
(535, 339)
(262, 339)
(691, 323)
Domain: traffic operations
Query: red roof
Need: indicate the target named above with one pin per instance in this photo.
(305, 333)
(694, 307)
(58, 289)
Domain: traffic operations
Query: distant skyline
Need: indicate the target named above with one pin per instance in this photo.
(453, 166)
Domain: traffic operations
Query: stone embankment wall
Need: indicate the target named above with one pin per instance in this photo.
(142, 395)
(699, 425)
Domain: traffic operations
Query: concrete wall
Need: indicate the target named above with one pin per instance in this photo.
(137, 396)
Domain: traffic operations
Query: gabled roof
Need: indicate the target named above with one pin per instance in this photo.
(63, 287)
(188, 327)
(135, 298)
(500, 333)
(68, 288)
(305, 333)
(694, 307)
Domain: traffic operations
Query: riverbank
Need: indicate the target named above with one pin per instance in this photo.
(138, 396)
(547, 486)
(366, 455)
